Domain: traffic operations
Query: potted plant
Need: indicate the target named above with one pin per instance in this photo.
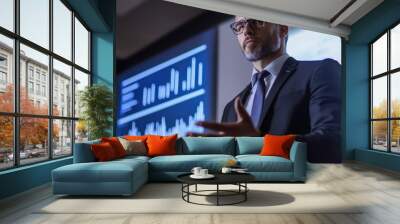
(96, 103)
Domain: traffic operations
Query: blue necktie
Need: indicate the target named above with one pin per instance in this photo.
(258, 102)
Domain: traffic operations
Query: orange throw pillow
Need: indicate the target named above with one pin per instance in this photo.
(277, 145)
(116, 145)
(161, 145)
(135, 138)
(103, 152)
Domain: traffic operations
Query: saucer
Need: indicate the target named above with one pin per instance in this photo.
(208, 176)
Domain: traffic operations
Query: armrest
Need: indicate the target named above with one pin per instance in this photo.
(83, 152)
(298, 155)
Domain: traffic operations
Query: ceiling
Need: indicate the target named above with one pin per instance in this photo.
(143, 22)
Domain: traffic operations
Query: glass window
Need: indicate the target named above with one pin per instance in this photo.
(395, 47)
(30, 87)
(379, 97)
(81, 45)
(40, 62)
(37, 89)
(81, 131)
(62, 72)
(34, 79)
(6, 73)
(385, 129)
(35, 21)
(395, 95)
(33, 140)
(43, 90)
(6, 142)
(395, 136)
(379, 135)
(3, 61)
(3, 78)
(62, 29)
(81, 81)
(7, 14)
(62, 137)
(30, 71)
(379, 56)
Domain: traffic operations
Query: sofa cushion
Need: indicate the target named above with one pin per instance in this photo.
(207, 145)
(103, 152)
(136, 147)
(116, 145)
(249, 145)
(257, 163)
(111, 171)
(161, 145)
(277, 145)
(185, 163)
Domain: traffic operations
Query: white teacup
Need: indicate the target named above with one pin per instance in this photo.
(226, 170)
(196, 170)
(203, 172)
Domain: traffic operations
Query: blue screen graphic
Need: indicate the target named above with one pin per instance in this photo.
(168, 93)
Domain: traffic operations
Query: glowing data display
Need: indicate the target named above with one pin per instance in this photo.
(168, 93)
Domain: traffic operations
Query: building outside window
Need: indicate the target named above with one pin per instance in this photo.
(30, 72)
(57, 128)
(30, 87)
(385, 91)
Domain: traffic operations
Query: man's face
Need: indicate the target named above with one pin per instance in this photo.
(257, 42)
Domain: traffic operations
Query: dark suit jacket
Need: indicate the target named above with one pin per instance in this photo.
(304, 100)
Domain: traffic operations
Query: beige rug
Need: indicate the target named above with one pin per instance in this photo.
(166, 198)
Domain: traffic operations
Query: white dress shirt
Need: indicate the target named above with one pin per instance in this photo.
(273, 68)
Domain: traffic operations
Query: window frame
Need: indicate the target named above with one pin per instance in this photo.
(388, 74)
(16, 114)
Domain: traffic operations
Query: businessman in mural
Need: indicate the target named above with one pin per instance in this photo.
(284, 96)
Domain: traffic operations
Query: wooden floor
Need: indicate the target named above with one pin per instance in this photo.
(377, 188)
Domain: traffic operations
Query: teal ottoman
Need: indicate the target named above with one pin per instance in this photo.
(118, 177)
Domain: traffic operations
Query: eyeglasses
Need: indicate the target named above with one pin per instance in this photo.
(238, 26)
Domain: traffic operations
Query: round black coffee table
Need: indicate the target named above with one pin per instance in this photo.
(238, 179)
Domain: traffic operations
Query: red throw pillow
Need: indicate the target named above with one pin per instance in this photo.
(135, 138)
(161, 145)
(277, 145)
(103, 152)
(116, 145)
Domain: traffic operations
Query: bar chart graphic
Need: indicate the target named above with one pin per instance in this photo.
(168, 94)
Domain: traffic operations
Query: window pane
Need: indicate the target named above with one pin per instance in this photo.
(379, 135)
(33, 139)
(395, 94)
(6, 142)
(7, 14)
(34, 97)
(35, 21)
(395, 132)
(395, 47)
(81, 131)
(62, 29)
(379, 97)
(6, 74)
(62, 89)
(379, 55)
(62, 138)
(81, 45)
(81, 81)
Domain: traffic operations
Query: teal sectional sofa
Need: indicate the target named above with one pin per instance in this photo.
(125, 176)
